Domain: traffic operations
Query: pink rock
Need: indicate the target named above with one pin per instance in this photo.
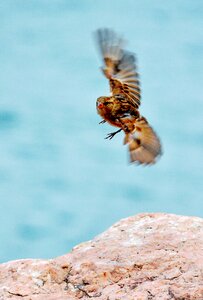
(145, 257)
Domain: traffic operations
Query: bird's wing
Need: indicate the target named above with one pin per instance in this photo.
(119, 66)
(144, 145)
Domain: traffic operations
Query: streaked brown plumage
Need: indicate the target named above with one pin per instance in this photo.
(121, 109)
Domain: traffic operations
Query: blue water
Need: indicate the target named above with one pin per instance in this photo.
(61, 183)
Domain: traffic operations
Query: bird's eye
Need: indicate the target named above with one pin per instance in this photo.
(106, 103)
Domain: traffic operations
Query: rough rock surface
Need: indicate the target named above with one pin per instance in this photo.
(145, 257)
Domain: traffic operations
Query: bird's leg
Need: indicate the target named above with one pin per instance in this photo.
(102, 122)
(111, 135)
(123, 126)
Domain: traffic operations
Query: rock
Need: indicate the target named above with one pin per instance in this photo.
(148, 256)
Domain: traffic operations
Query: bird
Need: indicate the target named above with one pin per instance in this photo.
(121, 108)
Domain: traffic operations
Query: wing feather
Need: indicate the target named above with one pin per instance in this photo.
(144, 144)
(119, 66)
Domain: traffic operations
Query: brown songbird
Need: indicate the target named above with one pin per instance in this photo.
(121, 108)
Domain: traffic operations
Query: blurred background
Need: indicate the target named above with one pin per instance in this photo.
(61, 182)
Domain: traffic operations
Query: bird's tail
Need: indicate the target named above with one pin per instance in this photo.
(144, 144)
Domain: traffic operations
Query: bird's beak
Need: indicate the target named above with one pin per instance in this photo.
(100, 105)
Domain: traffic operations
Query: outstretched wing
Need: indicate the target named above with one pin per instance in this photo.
(120, 66)
(144, 145)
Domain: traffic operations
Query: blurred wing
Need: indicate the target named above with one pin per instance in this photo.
(120, 66)
(144, 145)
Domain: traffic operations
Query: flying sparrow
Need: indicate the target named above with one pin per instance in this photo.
(121, 108)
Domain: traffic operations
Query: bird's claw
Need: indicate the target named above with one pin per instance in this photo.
(102, 122)
(111, 134)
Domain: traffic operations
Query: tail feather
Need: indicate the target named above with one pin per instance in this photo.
(144, 144)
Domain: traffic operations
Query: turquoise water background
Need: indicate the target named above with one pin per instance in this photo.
(61, 183)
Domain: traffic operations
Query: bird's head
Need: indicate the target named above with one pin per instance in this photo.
(104, 103)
